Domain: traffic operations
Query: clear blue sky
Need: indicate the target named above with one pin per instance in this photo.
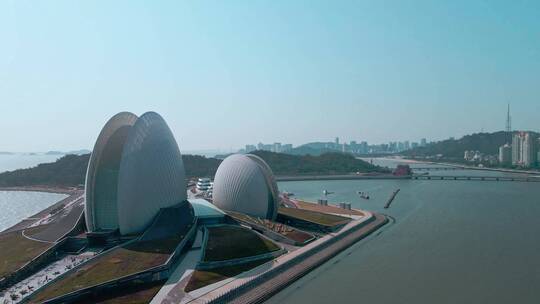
(227, 73)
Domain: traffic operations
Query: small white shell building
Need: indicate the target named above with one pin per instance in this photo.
(135, 170)
(245, 183)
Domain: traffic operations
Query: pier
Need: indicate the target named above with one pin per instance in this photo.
(391, 199)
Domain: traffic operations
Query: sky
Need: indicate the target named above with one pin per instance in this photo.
(228, 73)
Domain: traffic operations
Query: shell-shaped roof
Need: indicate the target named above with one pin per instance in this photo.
(102, 174)
(151, 174)
(245, 183)
(135, 170)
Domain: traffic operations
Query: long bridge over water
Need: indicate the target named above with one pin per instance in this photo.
(411, 177)
(439, 168)
(477, 178)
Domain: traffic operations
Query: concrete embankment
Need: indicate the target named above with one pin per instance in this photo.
(268, 284)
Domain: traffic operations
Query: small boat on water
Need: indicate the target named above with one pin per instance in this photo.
(363, 195)
(326, 192)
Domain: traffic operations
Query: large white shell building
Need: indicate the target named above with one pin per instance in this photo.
(245, 183)
(135, 170)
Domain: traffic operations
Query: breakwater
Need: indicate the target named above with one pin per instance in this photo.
(391, 199)
(269, 283)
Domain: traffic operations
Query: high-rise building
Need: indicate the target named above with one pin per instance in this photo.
(529, 150)
(250, 148)
(468, 155)
(423, 142)
(286, 148)
(276, 148)
(524, 149)
(505, 154)
(364, 147)
(508, 128)
(516, 149)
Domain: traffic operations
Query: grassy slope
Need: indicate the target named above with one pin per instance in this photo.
(139, 295)
(327, 209)
(16, 251)
(314, 216)
(119, 262)
(218, 248)
(201, 278)
(286, 231)
(246, 243)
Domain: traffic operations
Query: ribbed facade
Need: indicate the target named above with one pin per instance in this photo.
(135, 170)
(245, 183)
(101, 212)
(152, 174)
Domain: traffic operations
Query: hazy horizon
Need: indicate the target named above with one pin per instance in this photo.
(216, 151)
(227, 74)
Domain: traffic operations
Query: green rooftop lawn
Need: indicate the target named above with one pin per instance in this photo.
(16, 251)
(286, 231)
(233, 242)
(201, 278)
(119, 262)
(319, 218)
(298, 236)
(139, 295)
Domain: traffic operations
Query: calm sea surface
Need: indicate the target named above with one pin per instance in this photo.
(451, 242)
(18, 205)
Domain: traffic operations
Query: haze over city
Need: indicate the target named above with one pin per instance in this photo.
(277, 152)
(227, 74)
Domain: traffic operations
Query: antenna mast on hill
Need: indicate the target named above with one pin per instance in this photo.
(508, 123)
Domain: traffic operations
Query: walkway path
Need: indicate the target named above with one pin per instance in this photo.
(265, 290)
(256, 293)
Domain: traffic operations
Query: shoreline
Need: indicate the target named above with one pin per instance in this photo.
(72, 195)
(290, 268)
(47, 189)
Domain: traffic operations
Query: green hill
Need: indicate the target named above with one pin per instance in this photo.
(487, 143)
(70, 170)
(325, 164)
(199, 166)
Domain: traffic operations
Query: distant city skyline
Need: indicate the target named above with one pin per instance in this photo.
(225, 74)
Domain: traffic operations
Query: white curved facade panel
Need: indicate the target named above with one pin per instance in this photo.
(151, 174)
(243, 184)
(271, 182)
(102, 174)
